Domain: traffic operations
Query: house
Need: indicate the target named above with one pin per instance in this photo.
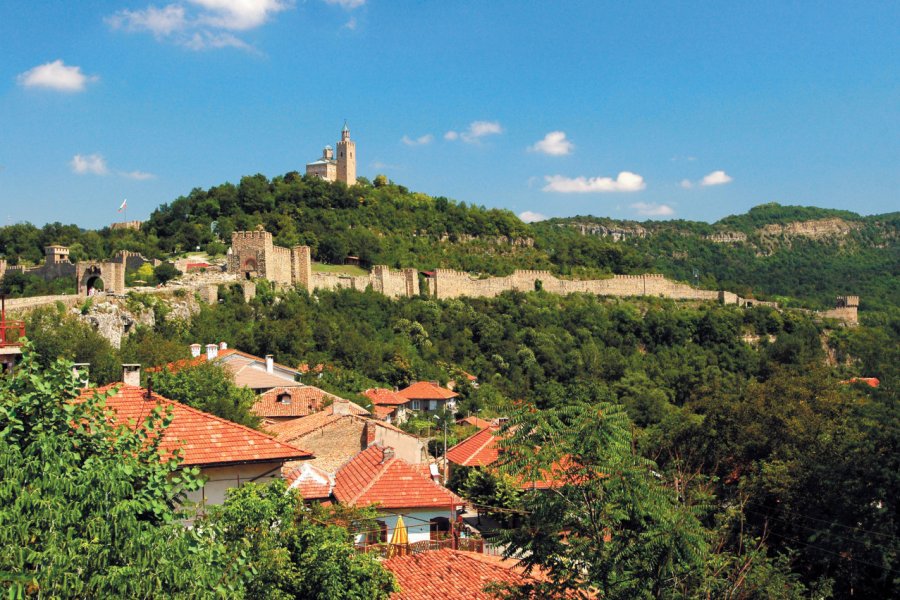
(482, 450)
(428, 396)
(260, 374)
(226, 453)
(474, 422)
(376, 476)
(388, 405)
(284, 403)
(341, 431)
(313, 483)
(453, 575)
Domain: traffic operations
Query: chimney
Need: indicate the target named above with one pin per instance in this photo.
(131, 374)
(340, 407)
(370, 433)
(81, 371)
(223, 345)
(212, 351)
(270, 363)
(195, 350)
(387, 454)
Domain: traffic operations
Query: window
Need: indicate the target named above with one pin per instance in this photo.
(284, 398)
(439, 528)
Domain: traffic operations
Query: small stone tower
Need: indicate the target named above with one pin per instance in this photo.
(346, 157)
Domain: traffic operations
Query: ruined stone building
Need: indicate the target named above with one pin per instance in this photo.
(90, 276)
(336, 168)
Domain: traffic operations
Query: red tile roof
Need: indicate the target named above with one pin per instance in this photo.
(301, 426)
(475, 422)
(312, 482)
(304, 400)
(478, 450)
(385, 397)
(204, 439)
(373, 478)
(450, 575)
(425, 390)
(383, 412)
(870, 381)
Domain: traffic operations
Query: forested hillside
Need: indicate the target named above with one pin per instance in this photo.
(794, 254)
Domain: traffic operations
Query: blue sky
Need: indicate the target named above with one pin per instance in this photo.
(630, 110)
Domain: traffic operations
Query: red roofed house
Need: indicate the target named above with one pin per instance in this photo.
(285, 403)
(377, 476)
(452, 575)
(481, 450)
(226, 453)
(258, 374)
(341, 431)
(429, 397)
(388, 405)
(474, 422)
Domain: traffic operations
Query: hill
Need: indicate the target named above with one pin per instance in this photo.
(798, 254)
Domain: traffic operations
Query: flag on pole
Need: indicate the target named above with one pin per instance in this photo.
(124, 205)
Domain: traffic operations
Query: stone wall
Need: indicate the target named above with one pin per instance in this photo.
(448, 283)
(23, 304)
(394, 284)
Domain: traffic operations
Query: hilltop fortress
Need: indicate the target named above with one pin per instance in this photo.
(342, 168)
(253, 254)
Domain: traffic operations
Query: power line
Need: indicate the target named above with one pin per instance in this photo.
(796, 514)
(848, 557)
(825, 532)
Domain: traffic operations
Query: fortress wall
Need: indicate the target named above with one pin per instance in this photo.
(301, 265)
(22, 304)
(848, 314)
(278, 265)
(448, 283)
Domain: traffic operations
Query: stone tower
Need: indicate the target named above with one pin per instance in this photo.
(346, 157)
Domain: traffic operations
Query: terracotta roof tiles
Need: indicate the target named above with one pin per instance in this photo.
(204, 439)
(304, 400)
(478, 450)
(450, 575)
(385, 397)
(425, 390)
(372, 477)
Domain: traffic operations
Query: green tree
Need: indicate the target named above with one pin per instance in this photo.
(165, 272)
(87, 507)
(210, 388)
(609, 523)
(292, 555)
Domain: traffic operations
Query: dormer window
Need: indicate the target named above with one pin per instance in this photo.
(284, 398)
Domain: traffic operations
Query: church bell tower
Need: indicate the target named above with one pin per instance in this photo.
(346, 157)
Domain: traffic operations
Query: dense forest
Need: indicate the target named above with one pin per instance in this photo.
(736, 458)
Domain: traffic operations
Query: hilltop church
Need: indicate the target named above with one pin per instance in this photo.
(342, 168)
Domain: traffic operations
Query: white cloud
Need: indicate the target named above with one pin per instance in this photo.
(554, 144)
(346, 4)
(652, 210)
(137, 175)
(56, 76)
(204, 40)
(532, 217)
(84, 164)
(238, 14)
(476, 131)
(158, 21)
(350, 24)
(716, 178)
(200, 24)
(419, 141)
(626, 181)
(479, 129)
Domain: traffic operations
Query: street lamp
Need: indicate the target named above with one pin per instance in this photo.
(438, 417)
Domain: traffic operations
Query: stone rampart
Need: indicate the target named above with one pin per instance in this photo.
(23, 304)
(448, 283)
